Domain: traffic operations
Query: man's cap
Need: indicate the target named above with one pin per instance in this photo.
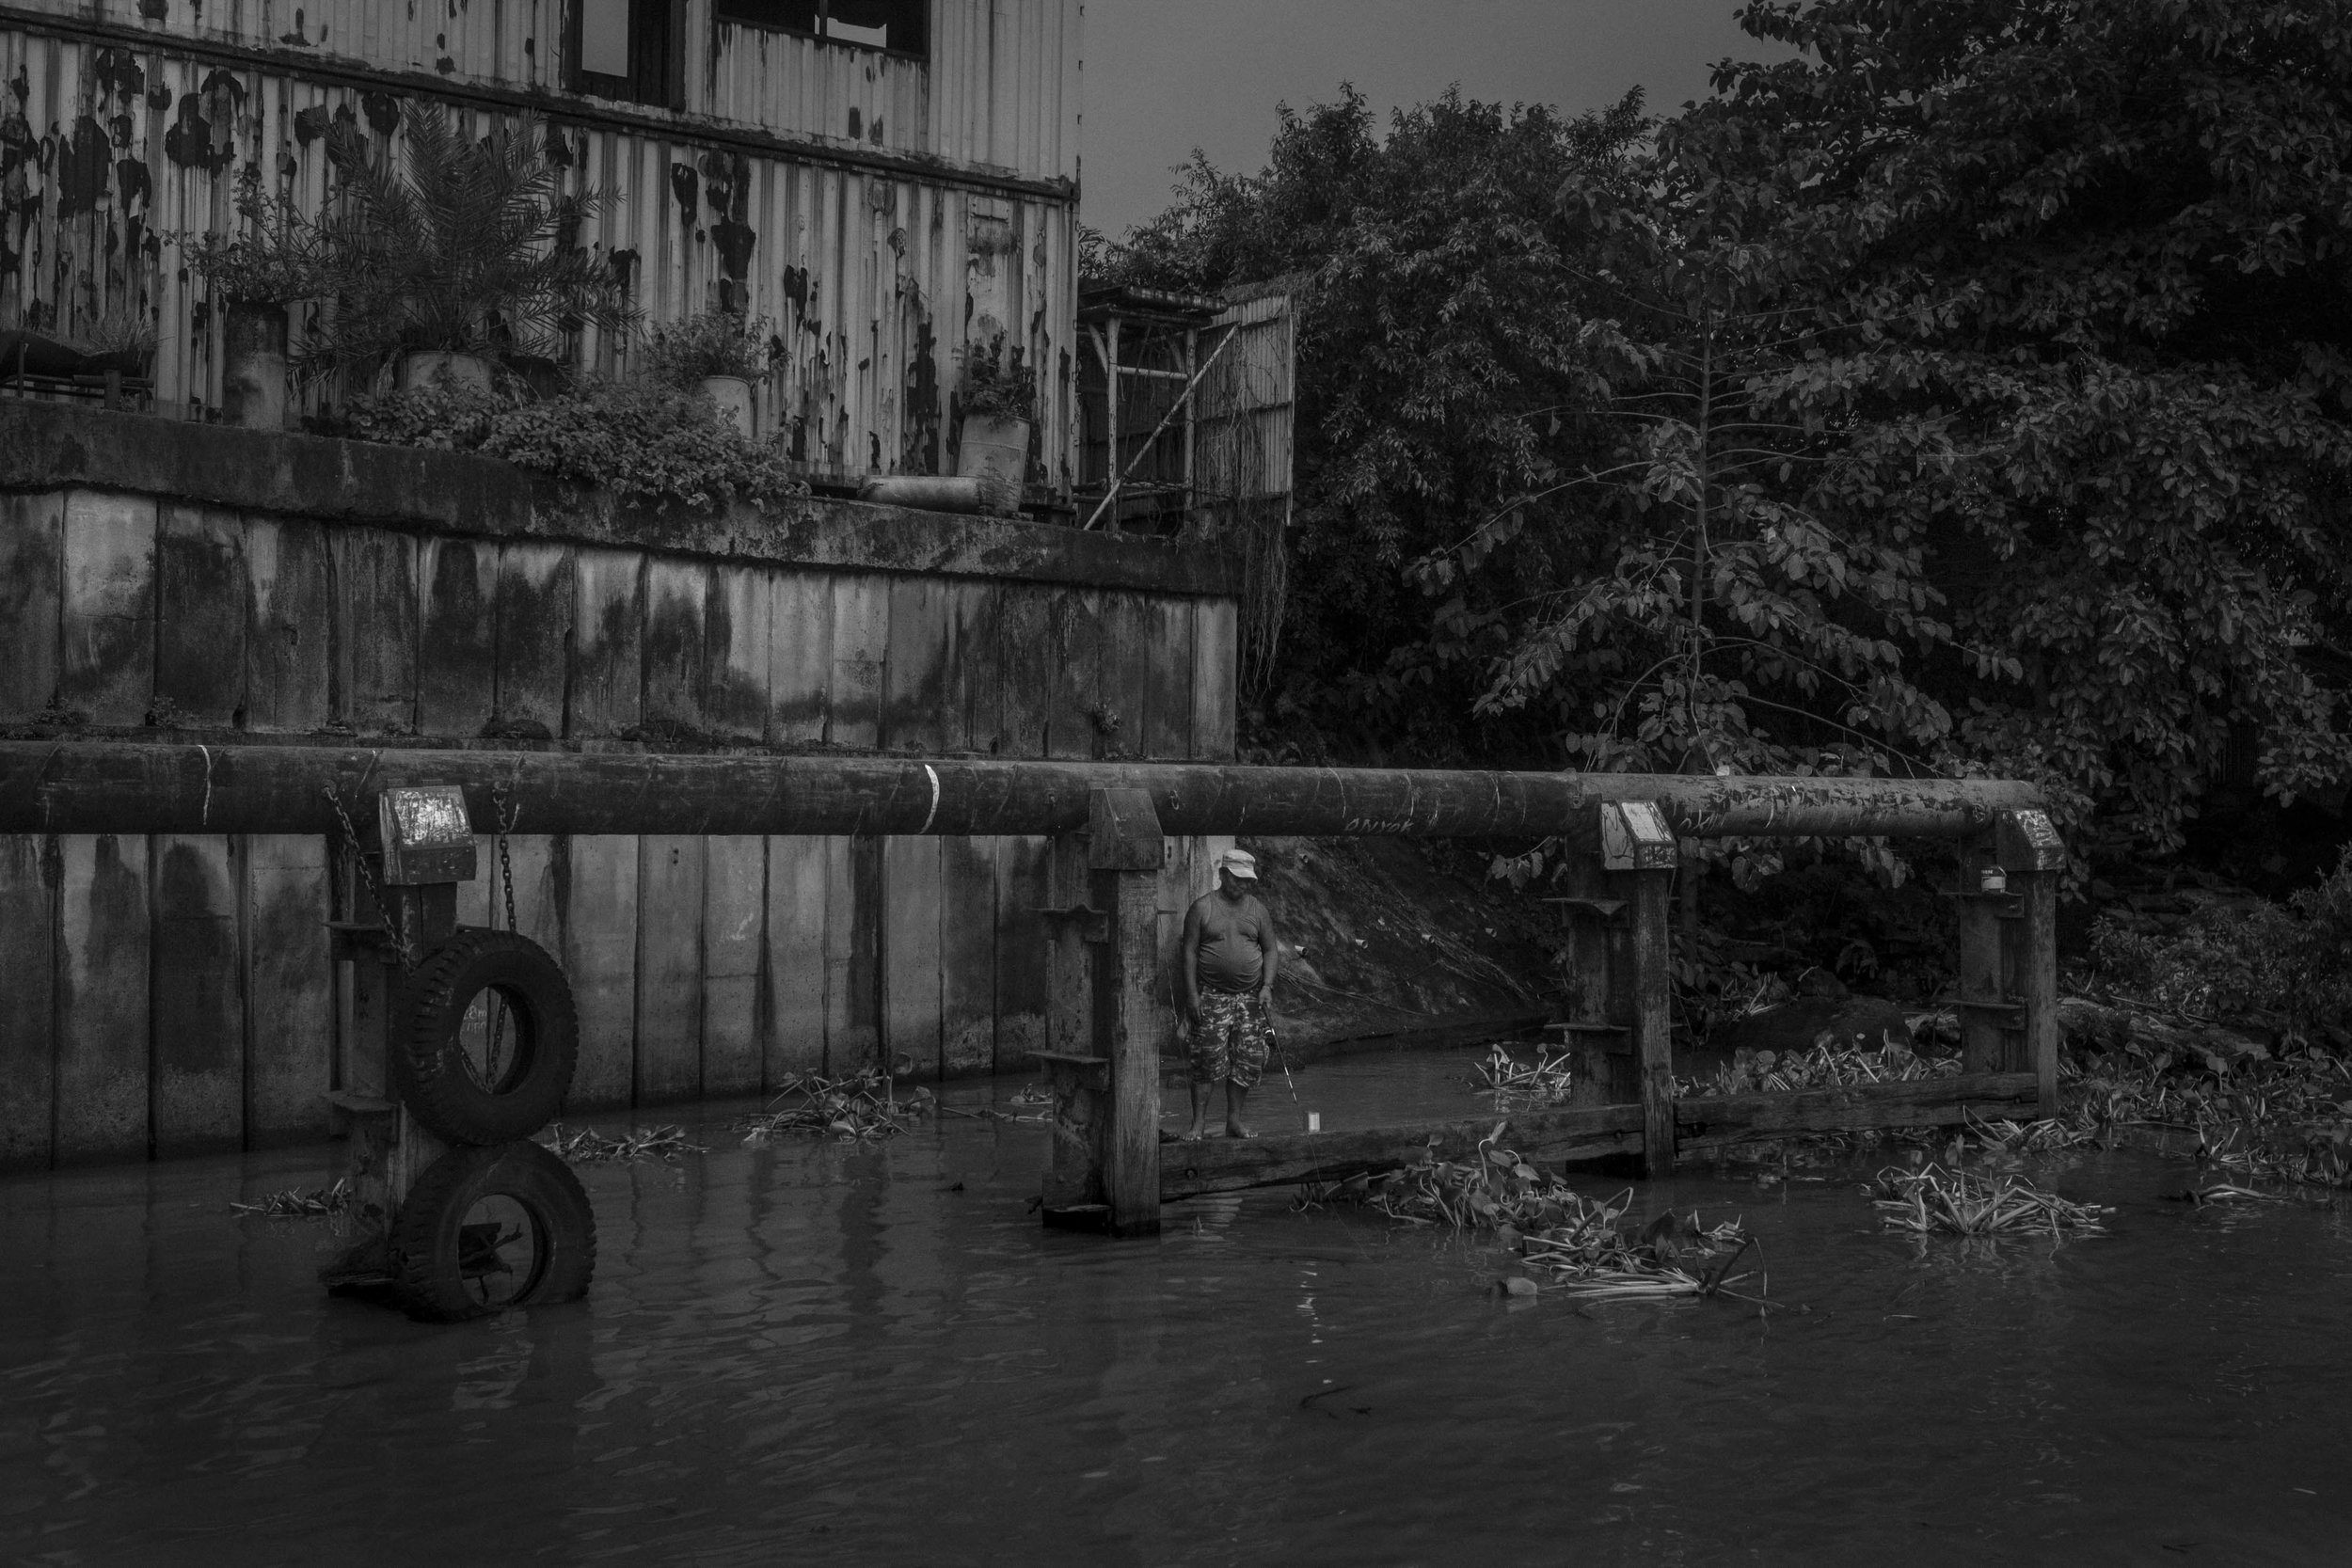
(1241, 863)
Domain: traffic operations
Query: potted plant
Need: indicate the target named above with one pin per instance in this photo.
(271, 261)
(461, 261)
(998, 401)
(722, 351)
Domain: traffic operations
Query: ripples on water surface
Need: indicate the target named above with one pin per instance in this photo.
(816, 1353)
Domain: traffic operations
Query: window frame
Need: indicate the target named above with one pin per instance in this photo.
(626, 89)
(920, 57)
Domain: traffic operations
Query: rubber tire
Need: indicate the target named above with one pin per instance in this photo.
(432, 1076)
(425, 1239)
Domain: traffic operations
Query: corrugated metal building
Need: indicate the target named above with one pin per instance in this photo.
(887, 179)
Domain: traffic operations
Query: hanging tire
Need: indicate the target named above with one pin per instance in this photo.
(491, 1039)
(485, 1229)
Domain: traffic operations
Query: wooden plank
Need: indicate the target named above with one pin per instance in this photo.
(1128, 624)
(106, 650)
(102, 1047)
(1024, 887)
(793, 977)
(853, 954)
(1069, 958)
(28, 920)
(534, 599)
(1653, 1018)
(735, 654)
(1130, 1176)
(910, 984)
(916, 693)
(289, 626)
(32, 589)
(734, 907)
(1026, 654)
(1978, 919)
(290, 1006)
(1167, 679)
(1215, 675)
(800, 656)
(676, 598)
(594, 882)
(975, 666)
(2037, 984)
(196, 1006)
(375, 580)
(1071, 721)
(200, 616)
(669, 968)
(607, 687)
(456, 637)
(967, 954)
(860, 649)
(1586, 1132)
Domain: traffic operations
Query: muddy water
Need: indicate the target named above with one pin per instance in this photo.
(814, 1353)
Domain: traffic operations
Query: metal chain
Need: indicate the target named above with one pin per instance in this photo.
(395, 916)
(507, 817)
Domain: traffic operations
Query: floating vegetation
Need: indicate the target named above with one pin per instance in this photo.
(1934, 1199)
(1821, 1065)
(2259, 1119)
(2032, 1137)
(1591, 1249)
(584, 1146)
(2223, 1192)
(1518, 1085)
(858, 1109)
(317, 1203)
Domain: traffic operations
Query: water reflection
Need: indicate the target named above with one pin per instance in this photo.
(877, 1357)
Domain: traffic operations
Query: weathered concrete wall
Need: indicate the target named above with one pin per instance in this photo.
(174, 995)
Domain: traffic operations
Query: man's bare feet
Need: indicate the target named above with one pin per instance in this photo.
(1192, 1136)
(1236, 1130)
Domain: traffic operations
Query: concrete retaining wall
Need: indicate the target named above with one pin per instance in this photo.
(174, 995)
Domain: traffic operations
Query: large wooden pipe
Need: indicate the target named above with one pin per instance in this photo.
(95, 786)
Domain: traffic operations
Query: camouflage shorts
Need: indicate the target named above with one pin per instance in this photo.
(1230, 1039)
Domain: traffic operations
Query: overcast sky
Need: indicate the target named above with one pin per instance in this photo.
(1165, 76)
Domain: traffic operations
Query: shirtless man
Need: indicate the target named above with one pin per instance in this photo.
(1230, 955)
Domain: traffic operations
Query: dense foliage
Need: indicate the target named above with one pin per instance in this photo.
(1970, 391)
(710, 343)
(645, 442)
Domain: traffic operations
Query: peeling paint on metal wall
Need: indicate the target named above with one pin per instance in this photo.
(107, 153)
(999, 89)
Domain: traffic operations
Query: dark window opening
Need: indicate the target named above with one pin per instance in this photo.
(628, 49)
(900, 27)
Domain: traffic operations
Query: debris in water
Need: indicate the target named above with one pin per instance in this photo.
(2032, 1137)
(318, 1203)
(1825, 1064)
(853, 1109)
(1975, 1203)
(584, 1144)
(1518, 1085)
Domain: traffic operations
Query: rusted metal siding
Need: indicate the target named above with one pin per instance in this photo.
(998, 90)
(874, 278)
(1243, 427)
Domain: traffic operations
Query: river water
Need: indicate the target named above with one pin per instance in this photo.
(822, 1353)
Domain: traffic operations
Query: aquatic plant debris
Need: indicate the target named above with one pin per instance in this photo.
(1823, 1065)
(1516, 1085)
(1932, 1199)
(316, 1203)
(584, 1145)
(1590, 1248)
(855, 1109)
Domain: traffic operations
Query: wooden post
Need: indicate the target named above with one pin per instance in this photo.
(2035, 857)
(1635, 843)
(1074, 1180)
(1599, 1045)
(1127, 849)
(1983, 1001)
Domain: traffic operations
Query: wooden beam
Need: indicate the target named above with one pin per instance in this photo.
(1653, 1017)
(1715, 1122)
(81, 785)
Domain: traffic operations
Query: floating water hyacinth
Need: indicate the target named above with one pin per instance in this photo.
(1820, 1066)
(1934, 1199)
(1516, 1085)
(584, 1145)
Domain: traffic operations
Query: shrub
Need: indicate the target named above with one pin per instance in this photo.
(710, 342)
(2240, 961)
(996, 384)
(277, 257)
(645, 443)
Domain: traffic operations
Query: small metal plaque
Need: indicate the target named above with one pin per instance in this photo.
(426, 836)
(1634, 837)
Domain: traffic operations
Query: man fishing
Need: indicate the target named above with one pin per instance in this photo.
(1230, 955)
